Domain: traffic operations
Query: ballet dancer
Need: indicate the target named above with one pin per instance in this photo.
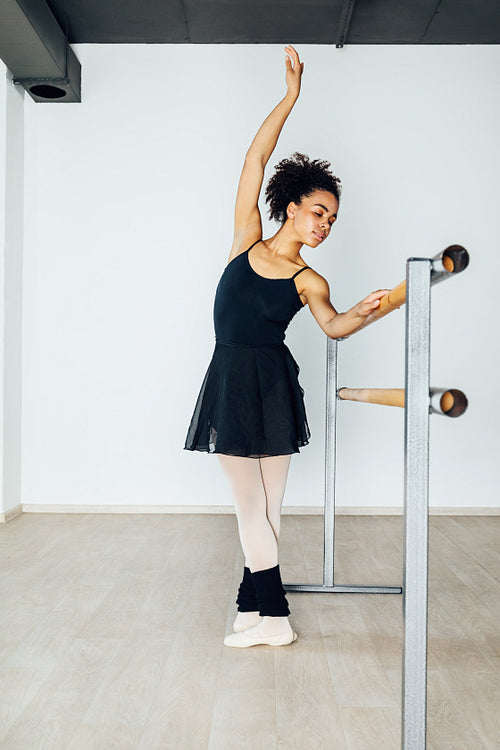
(250, 410)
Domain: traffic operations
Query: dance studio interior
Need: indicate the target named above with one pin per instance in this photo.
(124, 127)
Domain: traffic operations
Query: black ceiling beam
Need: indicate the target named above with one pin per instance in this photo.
(36, 51)
(279, 21)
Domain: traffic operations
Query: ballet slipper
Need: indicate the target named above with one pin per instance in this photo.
(246, 638)
(245, 620)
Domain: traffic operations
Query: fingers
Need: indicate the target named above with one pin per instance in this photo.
(378, 294)
(292, 55)
(371, 302)
(373, 299)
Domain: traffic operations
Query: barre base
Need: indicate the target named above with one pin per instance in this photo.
(343, 589)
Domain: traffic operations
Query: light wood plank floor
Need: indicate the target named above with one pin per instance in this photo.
(111, 631)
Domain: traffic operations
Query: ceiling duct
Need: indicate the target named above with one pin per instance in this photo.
(35, 49)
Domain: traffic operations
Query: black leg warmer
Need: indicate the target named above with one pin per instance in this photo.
(247, 600)
(270, 593)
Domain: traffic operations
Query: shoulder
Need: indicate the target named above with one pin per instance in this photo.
(311, 281)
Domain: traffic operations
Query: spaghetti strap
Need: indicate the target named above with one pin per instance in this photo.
(251, 403)
(247, 251)
(300, 271)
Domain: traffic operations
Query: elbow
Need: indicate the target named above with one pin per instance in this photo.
(337, 336)
(336, 328)
(331, 328)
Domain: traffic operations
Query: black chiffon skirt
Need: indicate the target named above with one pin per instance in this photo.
(250, 404)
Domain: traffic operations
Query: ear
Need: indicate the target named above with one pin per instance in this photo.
(290, 210)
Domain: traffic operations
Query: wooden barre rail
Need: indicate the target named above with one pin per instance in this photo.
(383, 396)
(451, 402)
(454, 259)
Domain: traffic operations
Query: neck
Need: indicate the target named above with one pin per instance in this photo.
(284, 242)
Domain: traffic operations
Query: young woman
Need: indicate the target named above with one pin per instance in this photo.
(250, 409)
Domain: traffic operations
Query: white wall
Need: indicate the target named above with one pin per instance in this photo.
(11, 282)
(129, 205)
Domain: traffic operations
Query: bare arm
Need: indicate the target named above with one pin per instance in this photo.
(247, 220)
(335, 324)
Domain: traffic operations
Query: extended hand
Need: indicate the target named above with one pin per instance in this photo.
(370, 303)
(294, 70)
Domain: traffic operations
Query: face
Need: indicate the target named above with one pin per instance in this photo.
(313, 217)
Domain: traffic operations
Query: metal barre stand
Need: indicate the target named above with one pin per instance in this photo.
(421, 274)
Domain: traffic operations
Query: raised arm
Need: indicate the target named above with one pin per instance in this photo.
(247, 221)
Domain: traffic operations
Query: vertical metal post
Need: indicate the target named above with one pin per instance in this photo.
(330, 461)
(328, 584)
(417, 371)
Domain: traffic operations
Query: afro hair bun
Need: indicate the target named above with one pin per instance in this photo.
(295, 178)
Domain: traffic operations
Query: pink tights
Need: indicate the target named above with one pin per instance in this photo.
(258, 486)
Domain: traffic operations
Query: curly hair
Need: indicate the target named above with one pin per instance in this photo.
(295, 178)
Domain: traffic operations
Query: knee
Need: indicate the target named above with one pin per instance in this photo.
(251, 510)
(275, 521)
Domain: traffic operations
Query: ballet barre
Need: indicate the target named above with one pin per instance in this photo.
(451, 261)
(418, 400)
(450, 403)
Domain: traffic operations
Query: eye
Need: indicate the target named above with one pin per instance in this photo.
(316, 213)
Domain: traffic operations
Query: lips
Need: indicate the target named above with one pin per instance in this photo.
(319, 236)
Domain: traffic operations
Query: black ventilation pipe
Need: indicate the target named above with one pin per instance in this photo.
(36, 51)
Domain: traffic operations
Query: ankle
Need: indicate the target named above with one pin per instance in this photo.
(274, 625)
(270, 592)
(248, 615)
(245, 620)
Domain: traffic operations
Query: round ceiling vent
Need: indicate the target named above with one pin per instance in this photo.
(46, 91)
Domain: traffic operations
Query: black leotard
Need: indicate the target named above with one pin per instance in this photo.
(251, 403)
(253, 310)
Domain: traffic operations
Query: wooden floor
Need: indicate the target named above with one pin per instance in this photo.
(111, 631)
